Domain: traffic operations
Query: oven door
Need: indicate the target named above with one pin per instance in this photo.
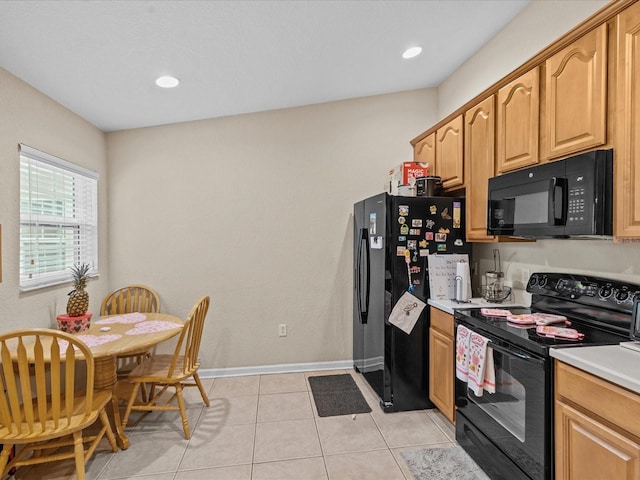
(515, 421)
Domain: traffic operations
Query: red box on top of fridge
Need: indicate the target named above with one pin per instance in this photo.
(406, 170)
(401, 174)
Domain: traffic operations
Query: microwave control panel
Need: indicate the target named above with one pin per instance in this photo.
(576, 205)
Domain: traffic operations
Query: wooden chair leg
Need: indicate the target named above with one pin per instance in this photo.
(183, 411)
(205, 398)
(132, 398)
(78, 449)
(4, 459)
(104, 418)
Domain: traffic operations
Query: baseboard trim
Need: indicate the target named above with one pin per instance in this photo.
(268, 369)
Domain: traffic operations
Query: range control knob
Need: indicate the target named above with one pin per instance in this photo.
(622, 295)
(542, 282)
(636, 297)
(605, 292)
(533, 281)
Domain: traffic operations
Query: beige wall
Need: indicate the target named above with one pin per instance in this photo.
(256, 211)
(27, 116)
(539, 24)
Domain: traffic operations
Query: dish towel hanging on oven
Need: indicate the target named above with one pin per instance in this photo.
(482, 375)
(462, 352)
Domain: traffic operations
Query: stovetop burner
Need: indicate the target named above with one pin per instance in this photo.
(598, 308)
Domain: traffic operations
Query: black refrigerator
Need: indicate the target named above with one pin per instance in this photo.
(394, 363)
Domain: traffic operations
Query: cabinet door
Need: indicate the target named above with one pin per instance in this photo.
(586, 448)
(576, 95)
(449, 154)
(441, 372)
(627, 153)
(441, 362)
(479, 157)
(424, 151)
(518, 122)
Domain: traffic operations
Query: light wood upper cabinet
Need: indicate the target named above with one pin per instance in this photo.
(626, 155)
(576, 95)
(518, 122)
(441, 362)
(424, 151)
(479, 157)
(449, 154)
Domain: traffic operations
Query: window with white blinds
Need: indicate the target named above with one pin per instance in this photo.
(58, 219)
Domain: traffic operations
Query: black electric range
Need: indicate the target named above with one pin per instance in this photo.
(598, 308)
(510, 432)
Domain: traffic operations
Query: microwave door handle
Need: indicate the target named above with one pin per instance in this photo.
(557, 200)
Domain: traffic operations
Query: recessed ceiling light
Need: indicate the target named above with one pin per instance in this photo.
(412, 52)
(167, 81)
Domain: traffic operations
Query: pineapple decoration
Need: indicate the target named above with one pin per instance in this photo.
(78, 302)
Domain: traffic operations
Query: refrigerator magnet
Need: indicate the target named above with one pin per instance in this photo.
(414, 231)
(441, 237)
(412, 244)
(456, 214)
(376, 243)
(403, 210)
(458, 242)
(404, 229)
(424, 252)
(423, 244)
(442, 247)
(372, 223)
(414, 270)
(402, 238)
(445, 214)
(416, 222)
(429, 224)
(444, 230)
(402, 220)
(400, 250)
(428, 236)
(433, 209)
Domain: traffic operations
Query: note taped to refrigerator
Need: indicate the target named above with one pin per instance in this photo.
(406, 312)
(442, 275)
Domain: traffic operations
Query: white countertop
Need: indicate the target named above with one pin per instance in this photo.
(614, 363)
(517, 299)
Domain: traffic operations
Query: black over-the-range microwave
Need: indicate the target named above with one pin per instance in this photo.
(562, 198)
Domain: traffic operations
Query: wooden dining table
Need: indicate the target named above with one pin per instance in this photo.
(112, 335)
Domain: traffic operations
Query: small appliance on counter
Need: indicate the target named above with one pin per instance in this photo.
(493, 288)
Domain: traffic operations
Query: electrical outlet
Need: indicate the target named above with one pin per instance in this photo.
(282, 330)
(525, 276)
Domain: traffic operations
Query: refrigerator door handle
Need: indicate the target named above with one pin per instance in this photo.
(364, 312)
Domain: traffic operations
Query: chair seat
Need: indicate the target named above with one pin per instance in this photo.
(78, 421)
(156, 370)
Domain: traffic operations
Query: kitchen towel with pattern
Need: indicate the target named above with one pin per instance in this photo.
(463, 334)
(481, 374)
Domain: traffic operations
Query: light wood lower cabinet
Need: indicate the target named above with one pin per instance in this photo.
(441, 362)
(597, 427)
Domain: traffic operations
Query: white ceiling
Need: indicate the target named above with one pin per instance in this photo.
(100, 58)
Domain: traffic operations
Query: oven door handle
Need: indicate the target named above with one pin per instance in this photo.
(509, 352)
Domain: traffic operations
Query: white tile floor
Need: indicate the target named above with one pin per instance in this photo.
(264, 427)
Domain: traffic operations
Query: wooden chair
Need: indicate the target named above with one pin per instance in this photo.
(172, 371)
(47, 399)
(133, 298)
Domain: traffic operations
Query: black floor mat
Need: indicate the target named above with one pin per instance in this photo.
(337, 395)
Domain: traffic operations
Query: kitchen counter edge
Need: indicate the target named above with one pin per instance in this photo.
(613, 363)
(518, 299)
